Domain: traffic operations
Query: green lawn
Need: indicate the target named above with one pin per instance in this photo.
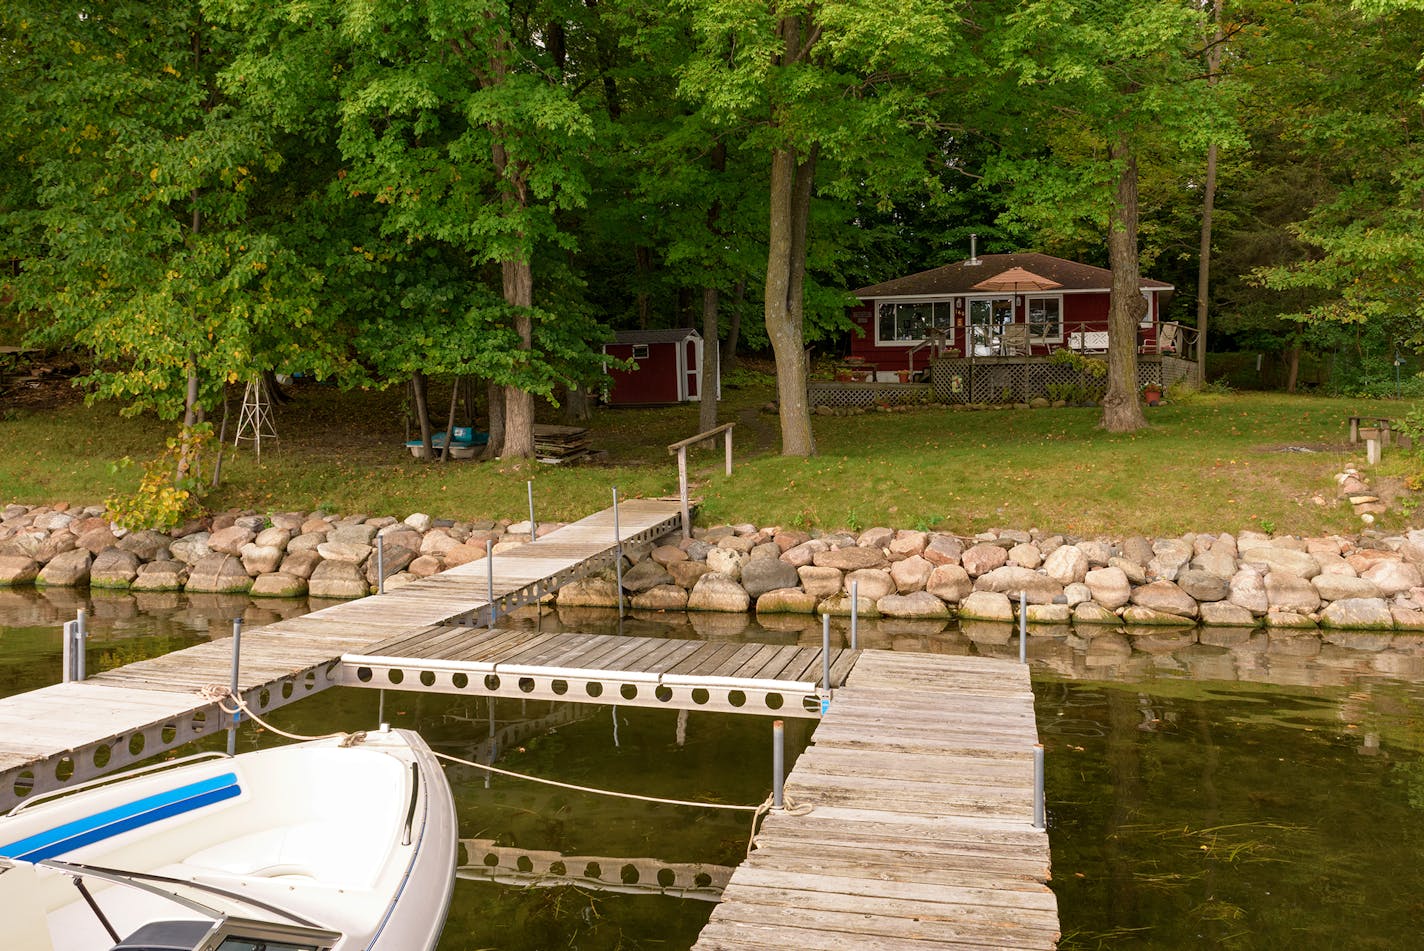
(1211, 463)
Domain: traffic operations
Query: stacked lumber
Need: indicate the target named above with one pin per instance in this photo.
(558, 444)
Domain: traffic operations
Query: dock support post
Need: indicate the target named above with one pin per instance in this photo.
(381, 707)
(75, 639)
(778, 764)
(1038, 822)
(236, 658)
(489, 577)
(618, 543)
(81, 643)
(380, 564)
(1023, 627)
(728, 435)
(826, 651)
(854, 614)
(533, 525)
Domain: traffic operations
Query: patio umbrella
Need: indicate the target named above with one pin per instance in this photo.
(1016, 280)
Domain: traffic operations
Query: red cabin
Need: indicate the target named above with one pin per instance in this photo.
(669, 367)
(990, 305)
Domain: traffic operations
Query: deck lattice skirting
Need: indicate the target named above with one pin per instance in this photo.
(921, 835)
(62, 735)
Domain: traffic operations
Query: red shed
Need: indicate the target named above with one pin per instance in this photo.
(1066, 307)
(669, 367)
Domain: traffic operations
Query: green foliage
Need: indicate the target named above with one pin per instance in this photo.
(171, 490)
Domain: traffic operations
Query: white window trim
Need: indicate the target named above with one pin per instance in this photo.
(875, 319)
(1044, 340)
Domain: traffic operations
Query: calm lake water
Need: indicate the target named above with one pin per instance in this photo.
(1251, 791)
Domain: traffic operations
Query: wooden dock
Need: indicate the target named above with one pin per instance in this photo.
(68, 733)
(920, 834)
(771, 679)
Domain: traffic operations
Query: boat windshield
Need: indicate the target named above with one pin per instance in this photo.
(230, 935)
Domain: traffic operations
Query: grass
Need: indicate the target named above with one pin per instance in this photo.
(1209, 463)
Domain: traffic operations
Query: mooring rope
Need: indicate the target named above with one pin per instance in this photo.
(218, 693)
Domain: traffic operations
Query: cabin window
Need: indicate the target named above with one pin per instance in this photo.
(987, 317)
(1045, 319)
(640, 351)
(912, 321)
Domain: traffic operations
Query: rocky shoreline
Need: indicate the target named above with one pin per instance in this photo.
(1370, 582)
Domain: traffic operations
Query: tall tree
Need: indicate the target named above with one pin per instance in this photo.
(839, 92)
(1101, 88)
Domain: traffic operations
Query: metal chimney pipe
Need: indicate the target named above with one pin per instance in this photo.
(973, 248)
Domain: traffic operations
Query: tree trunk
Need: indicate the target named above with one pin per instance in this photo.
(782, 307)
(422, 411)
(707, 376)
(495, 445)
(519, 404)
(734, 329)
(576, 405)
(1213, 64)
(450, 422)
(1122, 409)
(1292, 366)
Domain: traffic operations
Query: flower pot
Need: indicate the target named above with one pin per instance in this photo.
(904, 375)
(1152, 396)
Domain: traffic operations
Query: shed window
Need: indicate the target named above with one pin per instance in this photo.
(911, 321)
(640, 351)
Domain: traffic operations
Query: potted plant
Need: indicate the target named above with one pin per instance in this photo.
(1152, 393)
(904, 375)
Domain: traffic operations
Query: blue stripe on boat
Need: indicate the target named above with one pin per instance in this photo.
(111, 822)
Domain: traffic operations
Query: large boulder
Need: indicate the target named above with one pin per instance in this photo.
(728, 561)
(1216, 561)
(67, 569)
(1066, 564)
(667, 554)
(338, 580)
(166, 575)
(663, 597)
(1164, 597)
(191, 549)
(943, 549)
(983, 558)
(1090, 612)
(911, 573)
(1151, 617)
(1109, 586)
(872, 583)
(717, 592)
(1248, 590)
(1393, 577)
(229, 541)
(394, 560)
(300, 563)
(686, 573)
(986, 606)
(97, 539)
(1226, 614)
(1274, 558)
(361, 534)
(1291, 593)
(1335, 587)
(1358, 614)
(850, 559)
(800, 555)
(1011, 580)
(1025, 555)
(260, 559)
(54, 545)
(1048, 614)
(786, 601)
(950, 583)
(147, 544)
(1204, 585)
(820, 582)
(219, 574)
(17, 570)
(595, 591)
(761, 575)
(308, 541)
(908, 544)
(113, 568)
(348, 552)
(279, 585)
(1169, 555)
(918, 604)
(877, 537)
(646, 575)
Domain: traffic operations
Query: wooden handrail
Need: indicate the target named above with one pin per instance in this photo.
(700, 437)
(680, 450)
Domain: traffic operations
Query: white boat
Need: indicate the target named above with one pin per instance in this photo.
(327, 845)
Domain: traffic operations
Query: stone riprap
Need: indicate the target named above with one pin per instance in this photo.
(1368, 582)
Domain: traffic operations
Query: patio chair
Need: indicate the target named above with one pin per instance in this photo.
(1013, 340)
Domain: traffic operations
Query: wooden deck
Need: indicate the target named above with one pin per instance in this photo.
(783, 680)
(920, 836)
(67, 733)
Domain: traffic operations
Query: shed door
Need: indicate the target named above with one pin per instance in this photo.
(692, 361)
